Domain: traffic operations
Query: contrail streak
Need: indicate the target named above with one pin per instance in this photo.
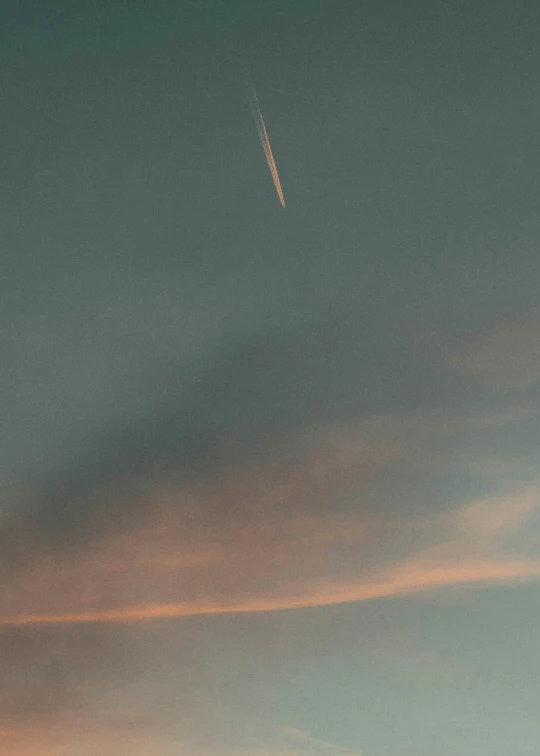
(263, 135)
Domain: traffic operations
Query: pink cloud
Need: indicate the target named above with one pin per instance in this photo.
(179, 560)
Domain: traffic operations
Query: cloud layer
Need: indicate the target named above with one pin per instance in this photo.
(176, 555)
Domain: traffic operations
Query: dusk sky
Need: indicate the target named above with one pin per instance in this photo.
(270, 475)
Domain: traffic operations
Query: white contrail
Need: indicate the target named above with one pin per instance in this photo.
(263, 135)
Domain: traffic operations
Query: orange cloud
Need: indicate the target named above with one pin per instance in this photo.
(59, 740)
(407, 579)
(181, 559)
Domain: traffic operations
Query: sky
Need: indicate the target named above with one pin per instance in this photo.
(269, 475)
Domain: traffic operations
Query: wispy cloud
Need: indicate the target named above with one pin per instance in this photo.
(316, 745)
(177, 557)
(507, 357)
(127, 735)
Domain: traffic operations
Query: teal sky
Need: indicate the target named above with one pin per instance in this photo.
(270, 476)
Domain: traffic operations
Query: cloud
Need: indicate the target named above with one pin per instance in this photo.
(115, 724)
(48, 742)
(74, 739)
(181, 381)
(278, 545)
(316, 745)
(507, 358)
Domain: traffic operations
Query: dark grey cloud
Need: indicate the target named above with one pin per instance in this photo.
(247, 404)
(258, 399)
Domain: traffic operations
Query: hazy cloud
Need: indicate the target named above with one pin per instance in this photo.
(507, 358)
(176, 556)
